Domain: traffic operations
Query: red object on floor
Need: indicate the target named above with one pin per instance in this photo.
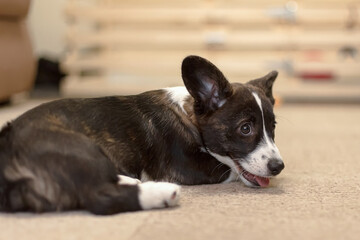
(317, 76)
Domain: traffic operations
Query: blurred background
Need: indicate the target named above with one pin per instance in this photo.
(100, 47)
(84, 48)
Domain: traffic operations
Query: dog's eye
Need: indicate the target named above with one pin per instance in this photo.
(245, 129)
(274, 124)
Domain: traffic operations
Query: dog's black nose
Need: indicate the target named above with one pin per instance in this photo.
(275, 166)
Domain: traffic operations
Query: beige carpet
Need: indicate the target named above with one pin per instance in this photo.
(316, 197)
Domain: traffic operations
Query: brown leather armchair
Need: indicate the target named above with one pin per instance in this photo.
(17, 62)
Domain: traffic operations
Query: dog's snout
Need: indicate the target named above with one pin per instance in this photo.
(275, 166)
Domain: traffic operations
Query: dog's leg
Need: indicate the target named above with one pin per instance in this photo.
(128, 180)
(41, 191)
(153, 194)
(113, 198)
(77, 175)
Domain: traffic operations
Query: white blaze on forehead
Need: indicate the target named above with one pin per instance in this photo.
(266, 137)
(256, 162)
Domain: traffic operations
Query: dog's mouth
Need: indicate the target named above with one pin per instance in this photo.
(257, 181)
(250, 179)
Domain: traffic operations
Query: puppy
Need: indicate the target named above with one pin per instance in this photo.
(87, 153)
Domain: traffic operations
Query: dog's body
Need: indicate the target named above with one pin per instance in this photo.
(67, 154)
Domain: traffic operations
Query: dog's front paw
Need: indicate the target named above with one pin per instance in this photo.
(158, 195)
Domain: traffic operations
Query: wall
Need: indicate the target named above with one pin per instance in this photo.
(47, 27)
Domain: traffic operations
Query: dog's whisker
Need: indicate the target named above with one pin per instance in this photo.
(225, 173)
(287, 120)
(217, 166)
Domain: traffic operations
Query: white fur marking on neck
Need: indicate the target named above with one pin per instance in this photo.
(178, 96)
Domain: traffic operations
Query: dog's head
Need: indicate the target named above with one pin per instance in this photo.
(236, 120)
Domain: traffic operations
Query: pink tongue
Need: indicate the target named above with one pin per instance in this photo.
(263, 182)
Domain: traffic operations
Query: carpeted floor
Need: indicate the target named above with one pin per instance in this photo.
(316, 197)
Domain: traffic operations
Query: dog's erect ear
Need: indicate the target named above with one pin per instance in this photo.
(206, 84)
(266, 83)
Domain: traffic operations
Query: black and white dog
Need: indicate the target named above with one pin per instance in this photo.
(88, 153)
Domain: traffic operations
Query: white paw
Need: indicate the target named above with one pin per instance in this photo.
(128, 180)
(158, 195)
